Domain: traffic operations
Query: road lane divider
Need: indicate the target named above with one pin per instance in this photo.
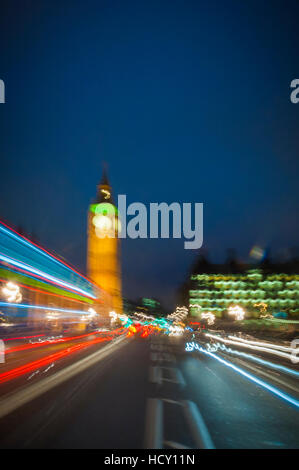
(154, 375)
(175, 445)
(154, 425)
(160, 347)
(162, 357)
(197, 426)
(157, 375)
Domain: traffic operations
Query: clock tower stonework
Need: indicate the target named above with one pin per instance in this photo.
(103, 245)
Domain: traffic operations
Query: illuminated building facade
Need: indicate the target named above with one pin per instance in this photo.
(258, 293)
(103, 250)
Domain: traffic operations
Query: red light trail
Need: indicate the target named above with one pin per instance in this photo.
(34, 365)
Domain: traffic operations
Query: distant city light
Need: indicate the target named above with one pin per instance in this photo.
(237, 312)
(257, 252)
(12, 292)
(91, 312)
(262, 306)
(179, 314)
(209, 316)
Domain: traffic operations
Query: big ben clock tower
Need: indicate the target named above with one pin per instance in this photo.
(103, 250)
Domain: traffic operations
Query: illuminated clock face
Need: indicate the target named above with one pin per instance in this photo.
(104, 220)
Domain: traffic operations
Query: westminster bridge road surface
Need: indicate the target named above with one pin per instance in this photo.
(128, 393)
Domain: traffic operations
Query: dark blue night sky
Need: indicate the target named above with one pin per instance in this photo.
(186, 101)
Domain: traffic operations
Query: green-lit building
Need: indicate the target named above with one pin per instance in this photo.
(256, 291)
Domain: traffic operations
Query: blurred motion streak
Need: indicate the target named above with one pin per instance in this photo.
(53, 294)
(252, 378)
(273, 365)
(274, 349)
(2, 351)
(31, 366)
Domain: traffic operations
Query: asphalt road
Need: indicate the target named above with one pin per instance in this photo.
(145, 393)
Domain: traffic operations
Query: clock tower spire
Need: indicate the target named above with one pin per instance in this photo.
(104, 193)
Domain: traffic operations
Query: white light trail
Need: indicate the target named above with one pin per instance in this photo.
(260, 343)
(252, 378)
(43, 275)
(41, 307)
(251, 346)
(222, 347)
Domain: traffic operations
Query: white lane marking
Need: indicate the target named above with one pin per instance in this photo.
(175, 374)
(172, 402)
(181, 378)
(157, 347)
(31, 392)
(154, 424)
(175, 445)
(162, 357)
(161, 347)
(154, 356)
(199, 430)
(157, 375)
(154, 375)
